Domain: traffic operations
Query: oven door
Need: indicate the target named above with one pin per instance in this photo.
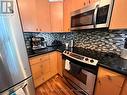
(84, 18)
(80, 79)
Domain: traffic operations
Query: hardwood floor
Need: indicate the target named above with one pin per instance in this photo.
(54, 86)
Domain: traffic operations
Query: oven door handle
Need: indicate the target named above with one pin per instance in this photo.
(95, 15)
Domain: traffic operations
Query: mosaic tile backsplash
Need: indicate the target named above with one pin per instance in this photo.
(99, 40)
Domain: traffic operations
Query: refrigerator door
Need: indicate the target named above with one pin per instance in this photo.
(26, 85)
(14, 64)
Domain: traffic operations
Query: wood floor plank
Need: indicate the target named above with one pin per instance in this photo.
(54, 86)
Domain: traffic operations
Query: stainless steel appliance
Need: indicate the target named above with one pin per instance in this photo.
(82, 74)
(38, 43)
(15, 71)
(96, 15)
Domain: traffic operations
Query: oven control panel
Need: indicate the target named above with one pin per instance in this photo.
(81, 58)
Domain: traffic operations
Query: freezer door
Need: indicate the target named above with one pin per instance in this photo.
(26, 85)
(14, 65)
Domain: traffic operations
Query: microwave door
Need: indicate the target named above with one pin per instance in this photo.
(82, 21)
(84, 18)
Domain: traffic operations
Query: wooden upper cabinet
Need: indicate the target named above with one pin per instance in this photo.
(35, 15)
(78, 4)
(43, 15)
(108, 82)
(56, 14)
(67, 15)
(28, 15)
(119, 15)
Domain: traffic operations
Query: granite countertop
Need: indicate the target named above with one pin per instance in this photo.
(107, 60)
(45, 50)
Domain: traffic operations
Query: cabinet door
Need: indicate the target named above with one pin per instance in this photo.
(36, 70)
(124, 89)
(53, 63)
(67, 15)
(78, 4)
(106, 87)
(108, 82)
(28, 15)
(59, 63)
(43, 15)
(119, 17)
(45, 66)
(38, 81)
(56, 14)
(46, 70)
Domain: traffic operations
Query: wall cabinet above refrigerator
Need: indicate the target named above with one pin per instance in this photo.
(35, 15)
(28, 14)
(41, 15)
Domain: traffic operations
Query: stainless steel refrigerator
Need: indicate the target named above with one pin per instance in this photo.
(15, 71)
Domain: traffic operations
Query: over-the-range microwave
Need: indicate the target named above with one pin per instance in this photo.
(96, 15)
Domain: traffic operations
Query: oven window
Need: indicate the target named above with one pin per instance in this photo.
(76, 71)
(82, 19)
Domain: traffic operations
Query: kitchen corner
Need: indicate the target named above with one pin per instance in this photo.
(63, 47)
(103, 45)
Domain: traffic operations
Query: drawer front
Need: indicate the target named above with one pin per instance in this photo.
(115, 78)
(39, 59)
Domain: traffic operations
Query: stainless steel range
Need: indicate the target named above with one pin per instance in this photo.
(80, 72)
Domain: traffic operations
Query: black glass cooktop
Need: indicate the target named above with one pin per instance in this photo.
(106, 59)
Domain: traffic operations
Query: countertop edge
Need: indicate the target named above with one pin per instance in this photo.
(99, 64)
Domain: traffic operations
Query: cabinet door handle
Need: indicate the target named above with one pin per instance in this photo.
(84, 3)
(99, 82)
(109, 77)
(89, 1)
(36, 29)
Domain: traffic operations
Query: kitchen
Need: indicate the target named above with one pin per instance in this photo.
(66, 47)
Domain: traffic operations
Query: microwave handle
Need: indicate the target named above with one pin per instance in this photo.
(95, 15)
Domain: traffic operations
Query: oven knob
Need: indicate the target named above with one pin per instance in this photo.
(67, 52)
(91, 61)
(86, 59)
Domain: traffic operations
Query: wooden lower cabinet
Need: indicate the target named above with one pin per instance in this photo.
(44, 67)
(53, 63)
(59, 63)
(40, 69)
(124, 89)
(108, 82)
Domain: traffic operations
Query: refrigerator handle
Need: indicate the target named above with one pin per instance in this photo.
(24, 86)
